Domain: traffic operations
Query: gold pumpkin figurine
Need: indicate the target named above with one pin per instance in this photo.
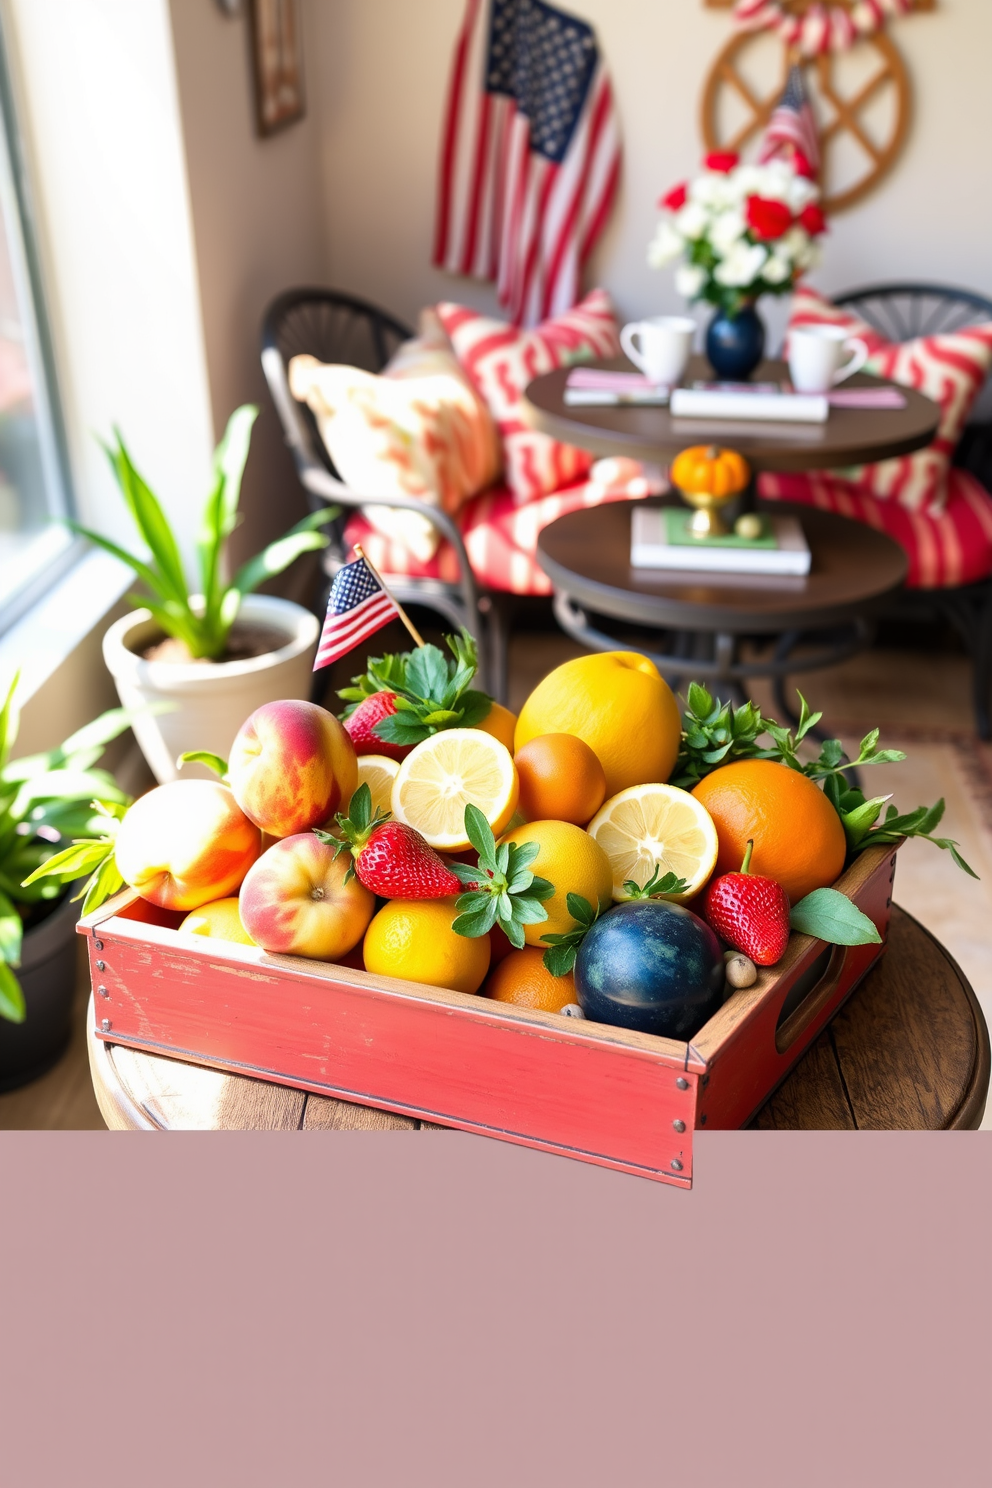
(709, 477)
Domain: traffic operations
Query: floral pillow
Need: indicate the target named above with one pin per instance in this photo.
(502, 359)
(420, 429)
(949, 367)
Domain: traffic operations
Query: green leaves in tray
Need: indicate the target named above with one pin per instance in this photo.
(829, 915)
(432, 693)
(562, 950)
(501, 890)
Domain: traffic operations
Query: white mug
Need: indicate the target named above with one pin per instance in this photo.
(665, 344)
(815, 355)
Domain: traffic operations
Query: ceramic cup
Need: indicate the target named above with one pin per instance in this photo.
(816, 353)
(660, 346)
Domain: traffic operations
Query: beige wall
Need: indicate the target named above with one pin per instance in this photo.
(380, 68)
(258, 228)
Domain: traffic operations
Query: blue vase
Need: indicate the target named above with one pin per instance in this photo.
(735, 344)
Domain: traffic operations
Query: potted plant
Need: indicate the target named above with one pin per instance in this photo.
(742, 231)
(48, 801)
(216, 655)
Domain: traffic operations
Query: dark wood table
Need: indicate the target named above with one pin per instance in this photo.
(851, 436)
(586, 555)
(915, 1003)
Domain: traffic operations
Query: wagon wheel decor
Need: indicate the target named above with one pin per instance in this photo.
(817, 37)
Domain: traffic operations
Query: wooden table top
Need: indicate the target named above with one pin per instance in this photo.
(851, 436)
(587, 555)
(915, 1003)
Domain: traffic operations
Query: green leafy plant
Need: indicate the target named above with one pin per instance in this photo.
(562, 950)
(432, 693)
(715, 734)
(47, 802)
(501, 890)
(659, 885)
(829, 915)
(204, 625)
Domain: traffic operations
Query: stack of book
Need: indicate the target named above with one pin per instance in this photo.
(661, 539)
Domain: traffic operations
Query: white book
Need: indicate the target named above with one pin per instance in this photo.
(651, 548)
(762, 401)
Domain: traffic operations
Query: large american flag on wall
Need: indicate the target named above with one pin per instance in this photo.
(530, 154)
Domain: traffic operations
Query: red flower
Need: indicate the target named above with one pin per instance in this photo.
(675, 198)
(721, 160)
(802, 166)
(767, 219)
(812, 219)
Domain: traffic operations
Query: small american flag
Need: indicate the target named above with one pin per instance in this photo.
(792, 124)
(358, 606)
(530, 154)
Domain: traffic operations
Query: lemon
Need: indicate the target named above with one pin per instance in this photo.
(413, 939)
(650, 825)
(378, 773)
(619, 704)
(570, 859)
(220, 920)
(442, 774)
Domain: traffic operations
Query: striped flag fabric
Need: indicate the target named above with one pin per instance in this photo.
(358, 606)
(792, 125)
(530, 154)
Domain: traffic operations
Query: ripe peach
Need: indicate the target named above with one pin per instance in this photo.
(186, 843)
(295, 900)
(292, 766)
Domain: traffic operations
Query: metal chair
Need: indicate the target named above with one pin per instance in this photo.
(337, 327)
(901, 312)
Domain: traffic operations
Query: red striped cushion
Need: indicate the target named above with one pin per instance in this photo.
(945, 547)
(950, 368)
(502, 359)
(500, 535)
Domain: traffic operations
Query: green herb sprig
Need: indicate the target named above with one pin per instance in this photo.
(659, 885)
(562, 950)
(432, 693)
(501, 890)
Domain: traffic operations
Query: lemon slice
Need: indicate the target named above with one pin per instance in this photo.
(442, 774)
(648, 825)
(378, 773)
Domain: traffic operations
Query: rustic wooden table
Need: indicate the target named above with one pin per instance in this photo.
(915, 1004)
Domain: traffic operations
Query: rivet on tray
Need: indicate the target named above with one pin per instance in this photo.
(682, 1084)
(101, 966)
(676, 1165)
(106, 1025)
(679, 1126)
(102, 992)
(98, 944)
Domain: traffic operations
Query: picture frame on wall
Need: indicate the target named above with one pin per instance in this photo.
(277, 59)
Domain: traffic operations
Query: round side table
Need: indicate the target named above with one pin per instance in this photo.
(915, 1002)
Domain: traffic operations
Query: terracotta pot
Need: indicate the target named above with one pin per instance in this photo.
(211, 699)
(47, 975)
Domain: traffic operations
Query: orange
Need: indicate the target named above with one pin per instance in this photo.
(220, 920)
(798, 837)
(499, 722)
(523, 979)
(560, 779)
(413, 939)
(574, 863)
(618, 704)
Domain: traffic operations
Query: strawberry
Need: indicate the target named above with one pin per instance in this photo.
(360, 727)
(749, 912)
(391, 859)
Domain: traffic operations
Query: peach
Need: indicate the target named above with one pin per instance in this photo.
(292, 766)
(295, 900)
(187, 843)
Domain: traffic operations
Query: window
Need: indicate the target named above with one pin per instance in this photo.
(34, 543)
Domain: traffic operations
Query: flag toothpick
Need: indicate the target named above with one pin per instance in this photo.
(399, 608)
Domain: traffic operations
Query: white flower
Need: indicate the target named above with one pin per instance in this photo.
(742, 265)
(776, 180)
(802, 191)
(726, 229)
(689, 280)
(776, 270)
(665, 246)
(749, 180)
(693, 220)
(713, 189)
(794, 244)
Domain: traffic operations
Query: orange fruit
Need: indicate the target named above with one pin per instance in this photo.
(574, 863)
(501, 723)
(798, 837)
(413, 939)
(561, 779)
(618, 704)
(523, 979)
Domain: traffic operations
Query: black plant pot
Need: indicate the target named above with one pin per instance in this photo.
(47, 975)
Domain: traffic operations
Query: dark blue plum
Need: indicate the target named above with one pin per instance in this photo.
(652, 966)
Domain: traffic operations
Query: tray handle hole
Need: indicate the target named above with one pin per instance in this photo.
(808, 993)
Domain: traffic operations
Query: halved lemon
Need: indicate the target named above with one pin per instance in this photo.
(442, 774)
(647, 826)
(378, 773)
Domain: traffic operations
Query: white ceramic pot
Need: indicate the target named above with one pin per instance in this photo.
(212, 699)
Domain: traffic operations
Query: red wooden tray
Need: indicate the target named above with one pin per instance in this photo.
(625, 1100)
